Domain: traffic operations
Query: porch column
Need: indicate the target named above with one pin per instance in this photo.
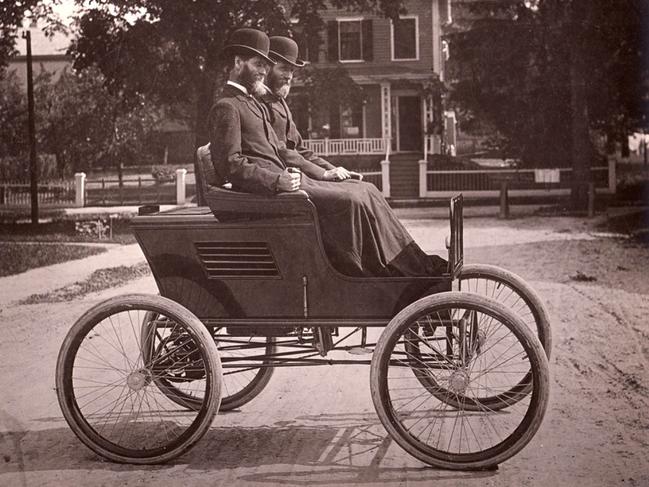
(450, 131)
(386, 117)
(428, 122)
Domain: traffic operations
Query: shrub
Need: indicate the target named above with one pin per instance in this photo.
(163, 174)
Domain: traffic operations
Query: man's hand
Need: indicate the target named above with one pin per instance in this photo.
(336, 174)
(289, 180)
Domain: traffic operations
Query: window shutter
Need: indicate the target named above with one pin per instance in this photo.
(368, 44)
(332, 41)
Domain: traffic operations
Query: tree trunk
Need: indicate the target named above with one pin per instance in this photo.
(580, 147)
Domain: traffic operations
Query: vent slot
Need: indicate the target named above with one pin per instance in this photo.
(237, 259)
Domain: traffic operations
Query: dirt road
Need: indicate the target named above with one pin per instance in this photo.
(317, 426)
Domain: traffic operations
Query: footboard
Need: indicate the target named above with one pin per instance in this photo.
(456, 244)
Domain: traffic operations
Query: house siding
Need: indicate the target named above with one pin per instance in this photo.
(381, 38)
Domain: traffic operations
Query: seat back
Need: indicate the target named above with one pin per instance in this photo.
(205, 173)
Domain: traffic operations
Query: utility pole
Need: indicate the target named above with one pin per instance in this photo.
(33, 168)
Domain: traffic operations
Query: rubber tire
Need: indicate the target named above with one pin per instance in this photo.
(476, 461)
(65, 365)
(522, 288)
(256, 385)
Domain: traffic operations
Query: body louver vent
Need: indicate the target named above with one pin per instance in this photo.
(237, 259)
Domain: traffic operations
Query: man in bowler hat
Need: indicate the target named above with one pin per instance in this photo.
(360, 237)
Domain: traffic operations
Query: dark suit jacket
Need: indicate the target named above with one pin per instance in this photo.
(244, 148)
(282, 121)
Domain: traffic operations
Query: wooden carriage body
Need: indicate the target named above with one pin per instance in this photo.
(255, 261)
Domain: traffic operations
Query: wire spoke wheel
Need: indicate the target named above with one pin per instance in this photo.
(239, 385)
(438, 403)
(511, 290)
(111, 375)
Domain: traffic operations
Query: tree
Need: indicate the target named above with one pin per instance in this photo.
(170, 50)
(548, 73)
(83, 124)
(13, 116)
(324, 89)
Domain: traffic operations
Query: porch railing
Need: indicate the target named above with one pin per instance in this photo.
(328, 147)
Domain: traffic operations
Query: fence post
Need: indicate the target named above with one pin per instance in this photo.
(80, 189)
(180, 186)
(504, 200)
(591, 199)
(385, 178)
(612, 176)
(423, 178)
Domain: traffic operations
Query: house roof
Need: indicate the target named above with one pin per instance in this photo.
(388, 72)
(43, 45)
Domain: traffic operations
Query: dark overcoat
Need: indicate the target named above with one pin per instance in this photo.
(282, 121)
(361, 234)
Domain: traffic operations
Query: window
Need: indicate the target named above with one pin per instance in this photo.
(405, 39)
(351, 122)
(350, 40)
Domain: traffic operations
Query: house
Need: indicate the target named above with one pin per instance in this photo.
(48, 54)
(397, 65)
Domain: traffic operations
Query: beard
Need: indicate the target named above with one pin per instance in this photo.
(283, 90)
(277, 86)
(254, 84)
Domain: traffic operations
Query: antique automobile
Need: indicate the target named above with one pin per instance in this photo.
(459, 362)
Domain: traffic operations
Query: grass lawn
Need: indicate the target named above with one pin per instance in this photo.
(99, 280)
(20, 257)
(62, 231)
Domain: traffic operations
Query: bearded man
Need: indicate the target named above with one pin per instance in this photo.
(361, 235)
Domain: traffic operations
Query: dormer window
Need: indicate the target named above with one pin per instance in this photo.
(405, 39)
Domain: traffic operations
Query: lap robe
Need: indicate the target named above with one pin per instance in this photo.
(362, 235)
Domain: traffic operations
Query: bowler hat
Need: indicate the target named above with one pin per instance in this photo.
(252, 41)
(284, 49)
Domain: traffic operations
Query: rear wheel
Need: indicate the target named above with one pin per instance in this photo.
(473, 349)
(511, 290)
(240, 385)
(107, 378)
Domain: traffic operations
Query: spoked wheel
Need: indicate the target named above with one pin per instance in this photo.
(242, 384)
(476, 352)
(107, 378)
(239, 384)
(512, 291)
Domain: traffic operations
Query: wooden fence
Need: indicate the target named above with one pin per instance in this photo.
(50, 193)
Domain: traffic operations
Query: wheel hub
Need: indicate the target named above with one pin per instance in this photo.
(138, 379)
(458, 381)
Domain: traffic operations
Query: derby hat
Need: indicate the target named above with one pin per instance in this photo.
(251, 41)
(284, 50)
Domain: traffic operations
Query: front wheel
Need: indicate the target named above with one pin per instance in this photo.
(107, 378)
(473, 349)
